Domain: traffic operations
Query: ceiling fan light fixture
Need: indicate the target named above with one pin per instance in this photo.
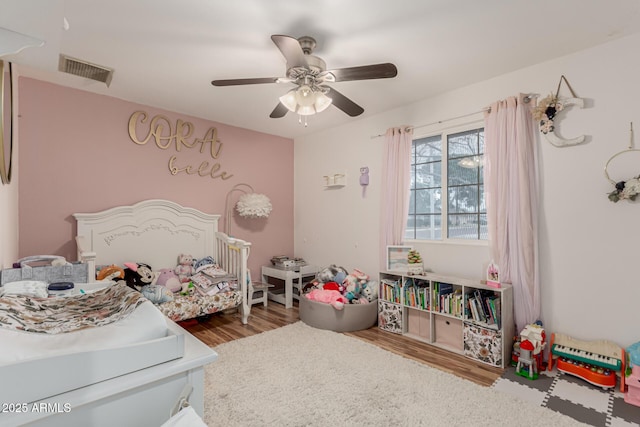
(305, 96)
(322, 102)
(306, 110)
(289, 100)
(305, 101)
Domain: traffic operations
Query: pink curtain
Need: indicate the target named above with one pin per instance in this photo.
(396, 179)
(511, 192)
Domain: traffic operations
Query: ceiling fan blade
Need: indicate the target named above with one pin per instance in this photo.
(236, 82)
(365, 72)
(344, 103)
(279, 111)
(291, 51)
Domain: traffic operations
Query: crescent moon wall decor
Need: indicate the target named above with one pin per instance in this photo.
(551, 134)
(547, 110)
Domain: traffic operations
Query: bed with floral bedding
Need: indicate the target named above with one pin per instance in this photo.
(155, 233)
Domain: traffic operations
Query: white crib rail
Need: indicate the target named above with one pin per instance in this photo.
(232, 255)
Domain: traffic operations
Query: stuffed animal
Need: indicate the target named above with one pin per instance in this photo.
(333, 273)
(203, 263)
(137, 275)
(110, 272)
(184, 269)
(169, 279)
(309, 286)
(360, 275)
(156, 294)
(370, 291)
(332, 286)
(335, 298)
(353, 285)
(188, 288)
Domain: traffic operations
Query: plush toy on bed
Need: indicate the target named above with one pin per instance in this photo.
(203, 263)
(110, 272)
(137, 275)
(169, 279)
(156, 294)
(188, 288)
(184, 269)
(142, 278)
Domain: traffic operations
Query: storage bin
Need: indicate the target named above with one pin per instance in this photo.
(390, 316)
(483, 344)
(418, 323)
(448, 332)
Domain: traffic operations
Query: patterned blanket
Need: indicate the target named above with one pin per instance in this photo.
(67, 314)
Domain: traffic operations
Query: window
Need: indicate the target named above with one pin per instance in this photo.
(463, 214)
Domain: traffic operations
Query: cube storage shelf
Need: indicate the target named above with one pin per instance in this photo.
(460, 315)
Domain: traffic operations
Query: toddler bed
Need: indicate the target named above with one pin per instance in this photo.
(155, 232)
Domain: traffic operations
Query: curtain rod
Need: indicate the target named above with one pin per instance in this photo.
(527, 99)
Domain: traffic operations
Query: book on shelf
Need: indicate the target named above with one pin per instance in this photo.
(478, 294)
(416, 293)
(440, 290)
(473, 311)
(484, 307)
(487, 302)
(497, 304)
(390, 290)
(479, 313)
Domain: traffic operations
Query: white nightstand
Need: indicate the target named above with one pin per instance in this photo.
(289, 276)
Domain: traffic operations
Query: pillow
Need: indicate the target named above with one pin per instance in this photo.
(29, 288)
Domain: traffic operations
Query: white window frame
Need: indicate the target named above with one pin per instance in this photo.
(444, 132)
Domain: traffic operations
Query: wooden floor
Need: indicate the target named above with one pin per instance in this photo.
(226, 327)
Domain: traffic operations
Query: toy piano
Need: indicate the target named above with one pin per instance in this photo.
(594, 361)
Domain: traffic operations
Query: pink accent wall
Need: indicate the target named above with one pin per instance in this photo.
(76, 156)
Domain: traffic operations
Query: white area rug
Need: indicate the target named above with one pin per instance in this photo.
(301, 376)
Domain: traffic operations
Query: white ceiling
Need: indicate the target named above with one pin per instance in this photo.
(166, 52)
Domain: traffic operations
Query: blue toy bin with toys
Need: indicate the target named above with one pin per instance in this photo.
(353, 317)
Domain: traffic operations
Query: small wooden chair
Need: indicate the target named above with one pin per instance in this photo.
(263, 289)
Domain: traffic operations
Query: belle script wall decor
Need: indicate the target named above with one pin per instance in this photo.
(179, 136)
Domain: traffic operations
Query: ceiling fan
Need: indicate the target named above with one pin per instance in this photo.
(309, 73)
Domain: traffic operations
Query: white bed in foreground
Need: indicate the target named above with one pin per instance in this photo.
(135, 384)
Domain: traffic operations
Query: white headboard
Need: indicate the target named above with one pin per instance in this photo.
(154, 232)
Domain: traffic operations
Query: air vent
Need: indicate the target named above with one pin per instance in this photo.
(85, 69)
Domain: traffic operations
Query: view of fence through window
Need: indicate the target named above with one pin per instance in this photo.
(460, 178)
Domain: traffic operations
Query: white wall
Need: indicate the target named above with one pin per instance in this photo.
(588, 245)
